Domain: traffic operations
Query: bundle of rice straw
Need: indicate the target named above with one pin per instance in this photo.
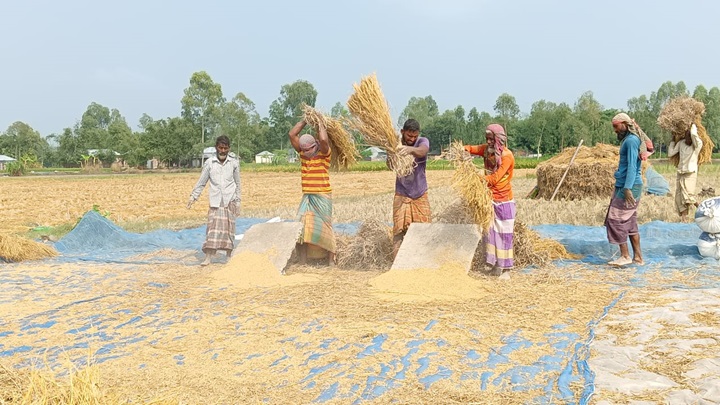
(370, 249)
(372, 119)
(532, 250)
(677, 116)
(18, 249)
(528, 247)
(470, 183)
(344, 154)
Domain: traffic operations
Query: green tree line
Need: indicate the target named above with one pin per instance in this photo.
(206, 113)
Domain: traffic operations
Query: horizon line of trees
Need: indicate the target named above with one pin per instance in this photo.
(205, 113)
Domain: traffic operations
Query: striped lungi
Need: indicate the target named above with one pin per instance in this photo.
(621, 221)
(407, 210)
(499, 240)
(315, 214)
(220, 232)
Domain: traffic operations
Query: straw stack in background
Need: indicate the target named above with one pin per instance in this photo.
(344, 153)
(372, 119)
(17, 249)
(677, 116)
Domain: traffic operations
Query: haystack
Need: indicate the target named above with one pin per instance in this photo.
(344, 154)
(18, 249)
(677, 116)
(370, 249)
(372, 119)
(470, 183)
(591, 175)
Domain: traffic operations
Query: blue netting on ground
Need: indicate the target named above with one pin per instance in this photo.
(95, 238)
(121, 331)
(665, 246)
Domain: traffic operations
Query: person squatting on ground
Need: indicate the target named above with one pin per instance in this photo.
(223, 172)
(315, 212)
(499, 166)
(689, 151)
(621, 218)
(411, 203)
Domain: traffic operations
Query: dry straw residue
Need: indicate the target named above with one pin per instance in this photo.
(370, 249)
(372, 119)
(532, 250)
(344, 153)
(470, 183)
(677, 116)
(80, 387)
(18, 249)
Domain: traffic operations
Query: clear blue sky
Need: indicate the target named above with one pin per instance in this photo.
(56, 57)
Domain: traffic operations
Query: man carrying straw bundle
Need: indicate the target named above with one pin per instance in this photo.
(499, 166)
(688, 150)
(621, 218)
(315, 211)
(223, 172)
(411, 202)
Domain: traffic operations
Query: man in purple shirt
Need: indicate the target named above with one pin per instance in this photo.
(411, 202)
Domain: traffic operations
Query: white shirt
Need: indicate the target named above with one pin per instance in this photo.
(224, 181)
(688, 153)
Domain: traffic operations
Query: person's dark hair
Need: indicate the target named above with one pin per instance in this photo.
(411, 125)
(222, 140)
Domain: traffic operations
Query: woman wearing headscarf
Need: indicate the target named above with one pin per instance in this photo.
(315, 212)
(499, 166)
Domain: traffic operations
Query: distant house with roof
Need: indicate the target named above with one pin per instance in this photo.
(264, 157)
(5, 160)
(375, 154)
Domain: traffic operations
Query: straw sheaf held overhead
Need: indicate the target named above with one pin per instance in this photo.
(344, 152)
(470, 183)
(372, 119)
(677, 116)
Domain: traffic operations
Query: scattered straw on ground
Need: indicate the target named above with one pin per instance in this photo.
(249, 270)
(17, 249)
(80, 387)
(255, 345)
(344, 152)
(532, 250)
(372, 119)
(470, 183)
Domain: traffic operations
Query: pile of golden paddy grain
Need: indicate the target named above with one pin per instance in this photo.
(344, 153)
(372, 119)
(17, 249)
(247, 270)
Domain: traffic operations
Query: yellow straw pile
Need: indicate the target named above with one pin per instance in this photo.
(17, 249)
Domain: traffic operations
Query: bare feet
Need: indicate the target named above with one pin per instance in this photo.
(208, 259)
(620, 261)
